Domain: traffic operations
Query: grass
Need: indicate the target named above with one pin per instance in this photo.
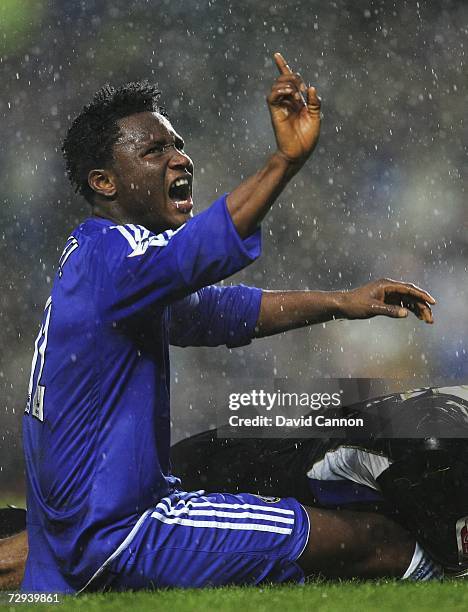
(14, 499)
(319, 596)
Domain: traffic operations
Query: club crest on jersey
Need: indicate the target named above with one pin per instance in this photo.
(268, 499)
(462, 539)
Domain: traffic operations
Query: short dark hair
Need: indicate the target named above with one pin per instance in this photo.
(92, 135)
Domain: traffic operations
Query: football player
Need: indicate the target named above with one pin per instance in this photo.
(419, 482)
(104, 508)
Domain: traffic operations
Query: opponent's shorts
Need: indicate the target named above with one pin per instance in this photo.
(193, 540)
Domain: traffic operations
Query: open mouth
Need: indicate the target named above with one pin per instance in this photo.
(180, 193)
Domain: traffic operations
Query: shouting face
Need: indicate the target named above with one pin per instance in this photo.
(151, 175)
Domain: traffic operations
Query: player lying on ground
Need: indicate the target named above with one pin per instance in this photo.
(421, 482)
(104, 509)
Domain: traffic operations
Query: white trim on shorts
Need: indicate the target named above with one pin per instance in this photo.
(194, 507)
(167, 512)
(221, 525)
(308, 532)
(125, 544)
(242, 506)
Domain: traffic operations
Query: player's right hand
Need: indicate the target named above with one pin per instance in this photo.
(295, 114)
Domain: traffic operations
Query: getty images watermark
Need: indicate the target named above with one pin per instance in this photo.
(274, 403)
(342, 408)
(284, 407)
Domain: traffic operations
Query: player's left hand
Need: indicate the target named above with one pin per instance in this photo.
(388, 298)
(295, 114)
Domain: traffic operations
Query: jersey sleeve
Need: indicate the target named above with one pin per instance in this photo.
(147, 269)
(216, 315)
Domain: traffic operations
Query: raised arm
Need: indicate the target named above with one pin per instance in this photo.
(295, 115)
(284, 310)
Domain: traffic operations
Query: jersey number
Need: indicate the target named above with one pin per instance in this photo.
(36, 390)
(35, 404)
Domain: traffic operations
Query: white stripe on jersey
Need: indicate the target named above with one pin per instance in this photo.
(140, 232)
(67, 251)
(127, 235)
(220, 525)
(139, 238)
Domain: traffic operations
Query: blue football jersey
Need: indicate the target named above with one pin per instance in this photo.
(97, 426)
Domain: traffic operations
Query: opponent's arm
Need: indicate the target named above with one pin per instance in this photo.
(284, 310)
(295, 115)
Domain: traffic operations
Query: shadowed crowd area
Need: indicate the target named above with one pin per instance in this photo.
(383, 194)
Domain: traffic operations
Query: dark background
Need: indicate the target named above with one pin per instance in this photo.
(383, 194)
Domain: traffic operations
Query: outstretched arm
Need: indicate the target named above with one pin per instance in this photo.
(295, 115)
(284, 310)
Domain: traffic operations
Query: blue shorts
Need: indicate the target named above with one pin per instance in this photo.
(193, 540)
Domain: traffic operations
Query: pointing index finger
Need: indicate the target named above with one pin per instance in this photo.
(281, 64)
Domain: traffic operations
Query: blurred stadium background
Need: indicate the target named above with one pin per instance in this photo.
(383, 195)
